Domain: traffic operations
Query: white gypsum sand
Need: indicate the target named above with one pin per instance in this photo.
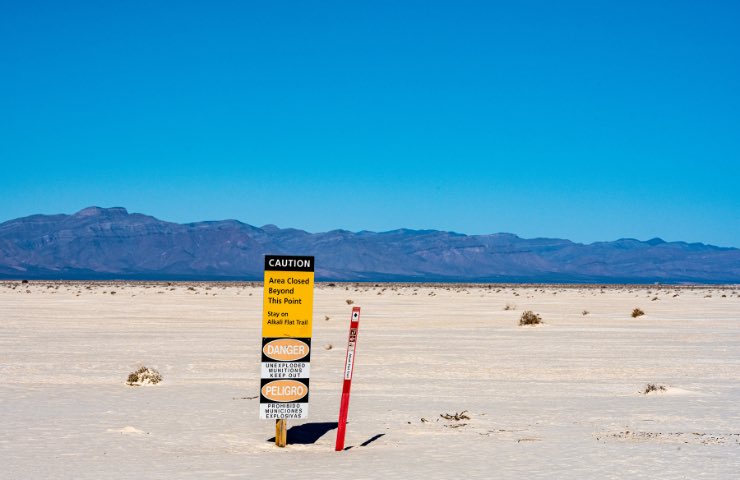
(446, 383)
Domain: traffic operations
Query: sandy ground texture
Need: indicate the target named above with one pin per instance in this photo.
(447, 384)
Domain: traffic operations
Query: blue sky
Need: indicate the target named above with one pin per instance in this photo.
(585, 120)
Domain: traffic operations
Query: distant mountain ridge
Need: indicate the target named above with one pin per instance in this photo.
(111, 243)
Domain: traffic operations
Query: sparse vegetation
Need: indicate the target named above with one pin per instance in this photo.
(144, 376)
(530, 318)
(585, 312)
(652, 387)
(350, 301)
(637, 313)
(456, 416)
(509, 307)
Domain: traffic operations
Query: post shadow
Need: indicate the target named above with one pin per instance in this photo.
(367, 442)
(371, 440)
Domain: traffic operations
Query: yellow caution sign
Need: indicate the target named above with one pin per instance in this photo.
(287, 317)
(287, 308)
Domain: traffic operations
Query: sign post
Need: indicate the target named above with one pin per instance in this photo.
(287, 314)
(349, 364)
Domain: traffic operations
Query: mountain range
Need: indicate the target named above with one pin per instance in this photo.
(111, 243)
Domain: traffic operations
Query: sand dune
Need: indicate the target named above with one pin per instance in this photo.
(447, 384)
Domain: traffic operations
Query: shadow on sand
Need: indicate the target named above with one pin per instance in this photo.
(308, 433)
(368, 441)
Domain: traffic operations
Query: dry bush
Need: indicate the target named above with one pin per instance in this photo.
(144, 376)
(652, 387)
(637, 313)
(456, 416)
(350, 301)
(530, 318)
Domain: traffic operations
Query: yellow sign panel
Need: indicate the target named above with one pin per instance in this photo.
(287, 314)
(287, 309)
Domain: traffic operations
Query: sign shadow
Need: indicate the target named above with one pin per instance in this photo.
(308, 433)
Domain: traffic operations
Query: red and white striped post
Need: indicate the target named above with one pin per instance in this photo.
(349, 364)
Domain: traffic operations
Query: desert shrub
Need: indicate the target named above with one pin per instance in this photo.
(143, 376)
(509, 307)
(652, 387)
(350, 301)
(456, 416)
(637, 313)
(585, 312)
(530, 318)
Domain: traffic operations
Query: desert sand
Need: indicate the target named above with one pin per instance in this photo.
(446, 383)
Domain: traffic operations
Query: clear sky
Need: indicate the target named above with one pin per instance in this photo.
(590, 120)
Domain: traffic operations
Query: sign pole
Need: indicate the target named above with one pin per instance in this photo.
(281, 432)
(349, 364)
